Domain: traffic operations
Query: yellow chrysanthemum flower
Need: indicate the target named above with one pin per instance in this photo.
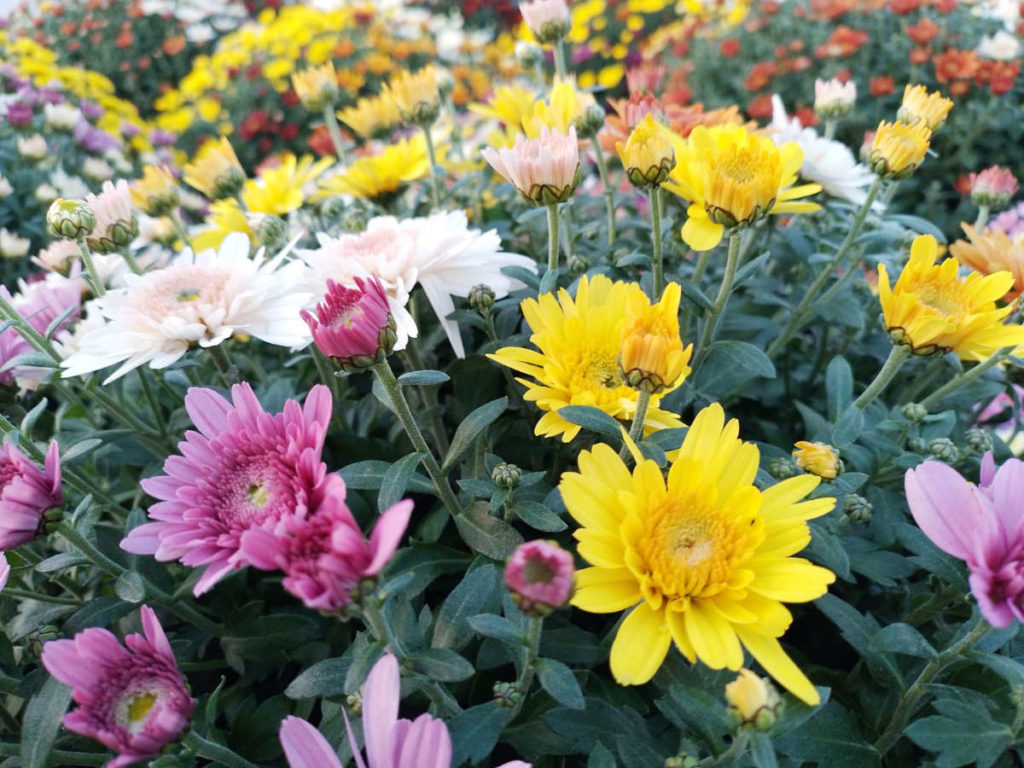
(578, 363)
(920, 106)
(416, 95)
(383, 174)
(732, 178)
(511, 106)
(818, 459)
(224, 218)
(316, 87)
(704, 558)
(932, 310)
(652, 356)
(279, 190)
(647, 154)
(156, 193)
(565, 106)
(898, 148)
(371, 116)
(215, 171)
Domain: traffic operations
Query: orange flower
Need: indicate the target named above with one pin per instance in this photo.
(920, 54)
(924, 31)
(903, 7)
(956, 64)
(761, 107)
(881, 85)
(844, 41)
(173, 45)
(990, 252)
(760, 76)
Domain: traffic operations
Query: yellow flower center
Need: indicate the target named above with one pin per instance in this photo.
(943, 298)
(598, 369)
(257, 495)
(139, 707)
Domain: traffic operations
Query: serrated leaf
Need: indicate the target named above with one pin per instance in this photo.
(471, 427)
(41, 722)
(858, 630)
(970, 738)
(396, 481)
(423, 378)
(830, 738)
(559, 681)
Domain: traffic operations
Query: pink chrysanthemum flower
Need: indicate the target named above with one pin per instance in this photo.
(5, 570)
(117, 223)
(132, 700)
(547, 19)
(993, 187)
(390, 742)
(41, 303)
(324, 555)
(243, 469)
(540, 576)
(353, 325)
(26, 493)
(544, 170)
(980, 524)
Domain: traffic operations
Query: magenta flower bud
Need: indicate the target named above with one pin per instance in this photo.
(26, 494)
(132, 700)
(993, 187)
(540, 576)
(353, 326)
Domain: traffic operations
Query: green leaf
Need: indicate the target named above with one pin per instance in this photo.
(762, 751)
(558, 680)
(368, 476)
(423, 378)
(966, 735)
(42, 721)
(61, 562)
(830, 738)
(32, 416)
(479, 592)
(210, 710)
(475, 423)
(827, 549)
(591, 418)
(536, 515)
(97, 612)
(691, 709)
(903, 638)
(848, 427)
(130, 587)
(600, 757)
(487, 534)
(858, 631)
(325, 678)
(498, 627)
(426, 562)
(396, 480)
(838, 386)
(475, 732)
(440, 664)
(732, 363)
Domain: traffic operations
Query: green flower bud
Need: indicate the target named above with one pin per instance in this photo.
(69, 219)
(857, 508)
(943, 449)
(507, 695)
(978, 440)
(507, 476)
(913, 412)
(782, 468)
(481, 298)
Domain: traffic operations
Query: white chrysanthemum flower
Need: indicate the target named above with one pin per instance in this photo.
(112, 206)
(58, 256)
(440, 253)
(69, 187)
(61, 117)
(97, 169)
(46, 193)
(12, 246)
(199, 299)
(1002, 46)
(5, 187)
(32, 147)
(826, 162)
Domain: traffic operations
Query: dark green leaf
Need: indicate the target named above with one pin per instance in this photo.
(498, 627)
(732, 363)
(762, 751)
(536, 515)
(903, 638)
(600, 757)
(487, 534)
(41, 722)
(475, 423)
(558, 680)
(593, 419)
(475, 731)
(325, 678)
(838, 386)
(396, 480)
(130, 587)
(968, 736)
(441, 664)
(368, 476)
(830, 738)
(423, 378)
(848, 427)
(98, 612)
(478, 592)
(858, 630)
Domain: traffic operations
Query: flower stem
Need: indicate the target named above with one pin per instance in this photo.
(798, 315)
(658, 277)
(37, 341)
(90, 269)
(602, 170)
(435, 171)
(553, 236)
(982, 220)
(430, 401)
(179, 228)
(908, 702)
(387, 379)
(331, 121)
(26, 594)
(897, 356)
(228, 373)
(830, 129)
(215, 752)
(130, 260)
(964, 378)
(710, 324)
(559, 51)
(567, 218)
(636, 429)
(158, 417)
(531, 650)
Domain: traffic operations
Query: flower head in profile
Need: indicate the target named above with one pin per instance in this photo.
(416, 95)
(353, 326)
(818, 459)
(897, 149)
(243, 468)
(833, 98)
(652, 356)
(979, 524)
(576, 362)
(117, 224)
(511, 106)
(544, 170)
(27, 493)
(647, 155)
(381, 176)
(990, 252)
(371, 116)
(316, 87)
(202, 299)
(933, 310)
(41, 303)
(549, 20)
(753, 700)
(281, 189)
(994, 187)
(540, 576)
(215, 171)
(131, 699)
(156, 193)
(731, 178)
(390, 742)
(920, 106)
(703, 557)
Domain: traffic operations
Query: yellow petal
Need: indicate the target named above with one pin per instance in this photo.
(640, 646)
(773, 658)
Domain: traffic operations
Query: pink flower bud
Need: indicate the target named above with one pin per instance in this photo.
(540, 576)
(993, 187)
(549, 20)
(353, 326)
(545, 170)
(27, 492)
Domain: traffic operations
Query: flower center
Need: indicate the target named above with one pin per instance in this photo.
(133, 710)
(188, 294)
(603, 371)
(7, 473)
(940, 298)
(258, 495)
(538, 572)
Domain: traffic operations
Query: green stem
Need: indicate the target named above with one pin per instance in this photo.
(331, 121)
(559, 51)
(158, 417)
(179, 228)
(227, 372)
(553, 236)
(658, 276)
(531, 650)
(567, 218)
(435, 170)
(35, 339)
(90, 269)
(44, 598)
(897, 356)
(830, 129)
(215, 752)
(61, 757)
(908, 702)
(636, 429)
(130, 260)
(798, 316)
(387, 379)
(609, 204)
(9, 724)
(964, 378)
(982, 220)
(711, 323)
(430, 401)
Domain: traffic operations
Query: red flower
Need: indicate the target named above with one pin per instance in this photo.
(796, 45)
(289, 131)
(729, 48)
(320, 141)
(843, 75)
(770, 7)
(959, 87)
(761, 107)
(1003, 76)
(903, 7)
(806, 116)
(844, 41)
(290, 99)
(963, 185)
(919, 55)
(944, 6)
(956, 64)
(924, 31)
(253, 123)
(881, 85)
(760, 76)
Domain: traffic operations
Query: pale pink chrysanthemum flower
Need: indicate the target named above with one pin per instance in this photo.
(27, 492)
(994, 187)
(544, 170)
(540, 576)
(244, 468)
(441, 253)
(5, 570)
(547, 19)
(390, 742)
(352, 323)
(980, 524)
(202, 299)
(116, 220)
(833, 98)
(324, 555)
(41, 303)
(58, 256)
(132, 700)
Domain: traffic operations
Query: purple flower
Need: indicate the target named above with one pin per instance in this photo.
(40, 303)
(324, 555)
(19, 114)
(390, 742)
(91, 110)
(92, 139)
(129, 130)
(243, 469)
(980, 524)
(26, 494)
(161, 138)
(132, 700)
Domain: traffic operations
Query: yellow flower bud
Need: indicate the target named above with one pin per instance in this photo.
(818, 459)
(898, 149)
(753, 700)
(652, 357)
(156, 193)
(647, 155)
(316, 87)
(416, 95)
(920, 106)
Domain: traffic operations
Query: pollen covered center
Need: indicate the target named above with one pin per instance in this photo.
(943, 298)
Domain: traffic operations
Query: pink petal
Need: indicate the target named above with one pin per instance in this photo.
(318, 406)
(997, 614)
(988, 470)
(5, 570)
(352, 741)
(943, 506)
(386, 534)
(380, 710)
(305, 746)
(155, 634)
(427, 744)
(1007, 493)
(207, 409)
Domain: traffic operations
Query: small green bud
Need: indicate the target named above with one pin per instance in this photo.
(943, 449)
(69, 219)
(481, 298)
(978, 440)
(782, 468)
(913, 412)
(507, 695)
(917, 444)
(271, 231)
(507, 476)
(857, 508)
